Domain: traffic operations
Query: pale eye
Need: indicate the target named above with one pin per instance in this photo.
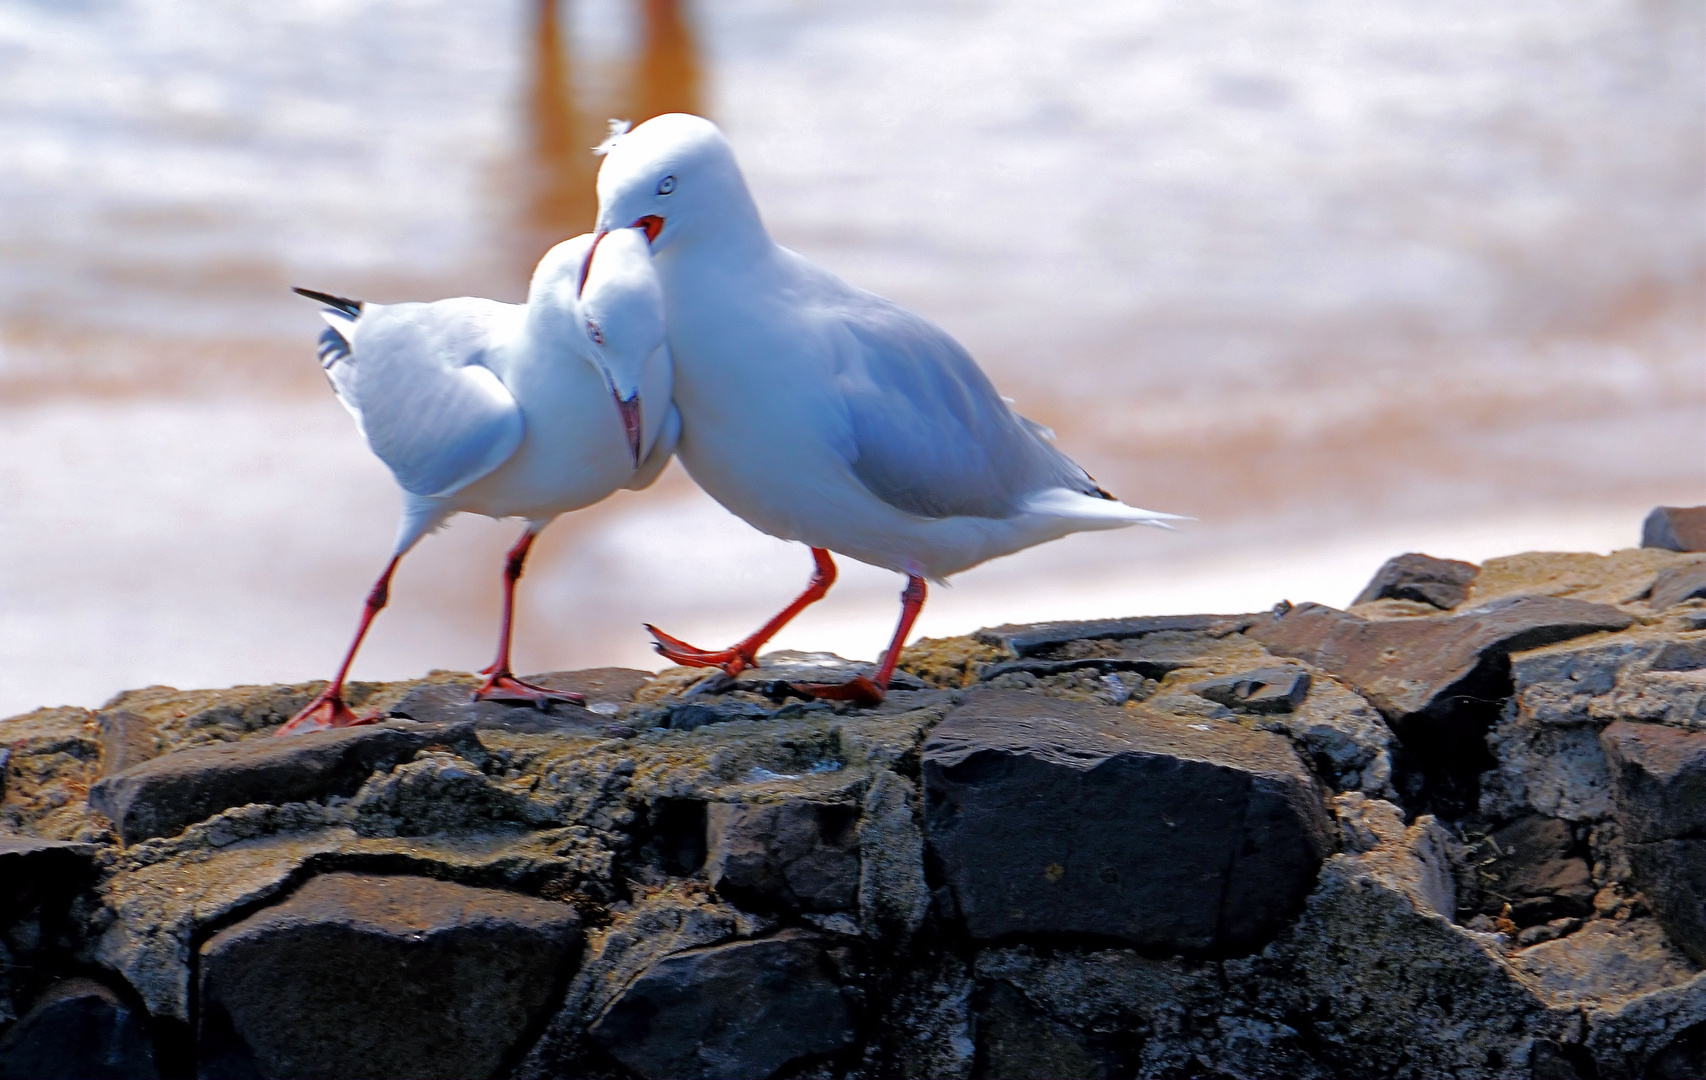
(593, 332)
(666, 185)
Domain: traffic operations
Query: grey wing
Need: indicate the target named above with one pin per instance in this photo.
(931, 435)
(428, 406)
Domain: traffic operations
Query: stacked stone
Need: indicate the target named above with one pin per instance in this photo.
(1457, 829)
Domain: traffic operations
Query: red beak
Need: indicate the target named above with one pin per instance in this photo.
(631, 424)
(652, 224)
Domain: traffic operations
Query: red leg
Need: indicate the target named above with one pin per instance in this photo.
(501, 683)
(870, 691)
(328, 709)
(743, 655)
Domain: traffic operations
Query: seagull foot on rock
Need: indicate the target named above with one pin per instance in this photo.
(325, 712)
(732, 661)
(860, 690)
(502, 686)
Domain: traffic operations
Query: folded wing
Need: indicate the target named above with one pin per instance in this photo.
(415, 377)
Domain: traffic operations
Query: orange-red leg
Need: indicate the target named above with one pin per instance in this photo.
(870, 690)
(501, 683)
(328, 710)
(743, 655)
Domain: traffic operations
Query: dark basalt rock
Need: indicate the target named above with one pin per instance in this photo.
(31, 867)
(383, 977)
(1150, 656)
(1439, 681)
(744, 1009)
(795, 854)
(455, 704)
(1675, 528)
(1444, 583)
(1533, 866)
(1058, 817)
(1265, 690)
(1018, 1041)
(78, 1029)
(162, 796)
(1659, 776)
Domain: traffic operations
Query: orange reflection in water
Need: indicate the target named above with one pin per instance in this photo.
(559, 174)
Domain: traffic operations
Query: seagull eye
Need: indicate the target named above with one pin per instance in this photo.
(593, 332)
(666, 185)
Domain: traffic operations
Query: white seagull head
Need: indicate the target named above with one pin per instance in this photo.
(674, 177)
(602, 297)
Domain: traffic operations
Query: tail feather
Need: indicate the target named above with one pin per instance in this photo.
(349, 307)
(1101, 508)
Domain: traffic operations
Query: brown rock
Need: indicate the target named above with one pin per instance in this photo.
(1532, 865)
(360, 976)
(1443, 583)
(1676, 528)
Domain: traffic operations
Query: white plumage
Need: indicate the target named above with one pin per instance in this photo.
(823, 413)
(507, 410)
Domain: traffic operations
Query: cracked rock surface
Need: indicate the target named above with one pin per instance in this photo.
(1458, 831)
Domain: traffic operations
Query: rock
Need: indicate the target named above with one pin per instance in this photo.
(796, 854)
(161, 796)
(1660, 775)
(127, 739)
(1443, 583)
(1018, 1041)
(894, 896)
(1030, 640)
(47, 760)
(778, 669)
(1438, 680)
(1674, 584)
(1532, 865)
(1134, 827)
(1603, 962)
(78, 1029)
(1675, 528)
(608, 691)
(361, 976)
(1265, 690)
(745, 1009)
(31, 867)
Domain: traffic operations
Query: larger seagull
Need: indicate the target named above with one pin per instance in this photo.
(822, 413)
(505, 410)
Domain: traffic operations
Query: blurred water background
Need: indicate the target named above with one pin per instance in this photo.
(1340, 279)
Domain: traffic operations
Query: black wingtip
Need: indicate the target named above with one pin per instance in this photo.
(343, 304)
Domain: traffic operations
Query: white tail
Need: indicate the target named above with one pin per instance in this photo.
(1108, 513)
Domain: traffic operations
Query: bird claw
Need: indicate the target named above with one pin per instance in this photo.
(325, 712)
(732, 661)
(502, 686)
(859, 690)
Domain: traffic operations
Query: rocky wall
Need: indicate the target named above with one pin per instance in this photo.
(1456, 830)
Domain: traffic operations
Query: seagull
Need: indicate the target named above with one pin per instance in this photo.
(507, 410)
(823, 413)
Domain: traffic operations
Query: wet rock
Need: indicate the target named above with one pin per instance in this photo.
(796, 854)
(1674, 584)
(161, 796)
(1439, 681)
(1675, 528)
(1533, 865)
(1442, 583)
(362, 976)
(1265, 690)
(1134, 827)
(745, 1009)
(78, 1029)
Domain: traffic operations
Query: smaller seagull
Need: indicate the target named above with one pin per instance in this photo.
(505, 410)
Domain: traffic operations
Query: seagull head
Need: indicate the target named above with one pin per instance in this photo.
(621, 311)
(675, 179)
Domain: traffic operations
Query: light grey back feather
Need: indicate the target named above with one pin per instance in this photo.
(428, 406)
(931, 435)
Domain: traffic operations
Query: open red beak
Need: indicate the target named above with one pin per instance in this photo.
(652, 224)
(631, 423)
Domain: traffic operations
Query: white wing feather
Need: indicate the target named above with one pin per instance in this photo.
(428, 406)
